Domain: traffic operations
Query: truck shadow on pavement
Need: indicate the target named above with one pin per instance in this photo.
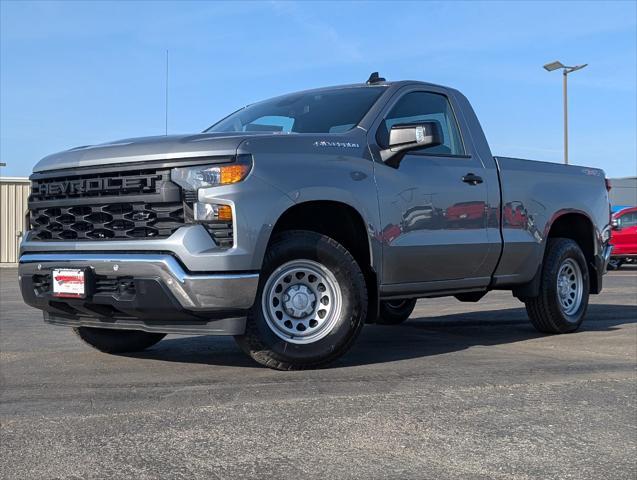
(418, 337)
(430, 336)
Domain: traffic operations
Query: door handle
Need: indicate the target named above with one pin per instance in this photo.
(472, 179)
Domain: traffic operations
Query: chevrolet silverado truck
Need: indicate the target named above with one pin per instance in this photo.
(292, 222)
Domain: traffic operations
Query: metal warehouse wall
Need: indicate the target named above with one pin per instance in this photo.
(624, 192)
(14, 192)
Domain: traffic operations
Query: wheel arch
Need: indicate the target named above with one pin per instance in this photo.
(579, 227)
(575, 225)
(343, 223)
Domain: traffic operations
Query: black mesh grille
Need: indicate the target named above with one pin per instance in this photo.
(110, 205)
(121, 203)
(110, 221)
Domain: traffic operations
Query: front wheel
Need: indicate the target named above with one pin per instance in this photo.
(117, 341)
(615, 263)
(561, 305)
(311, 303)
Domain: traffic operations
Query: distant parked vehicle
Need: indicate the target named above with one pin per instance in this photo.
(623, 238)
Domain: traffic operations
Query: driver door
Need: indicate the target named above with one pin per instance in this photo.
(439, 219)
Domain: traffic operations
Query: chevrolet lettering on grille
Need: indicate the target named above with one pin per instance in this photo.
(97, 185)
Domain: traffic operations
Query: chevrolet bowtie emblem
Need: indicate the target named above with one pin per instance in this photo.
(140, 216)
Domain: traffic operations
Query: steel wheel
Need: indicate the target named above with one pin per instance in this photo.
(562, 299)
(301, 301)
(570, 286)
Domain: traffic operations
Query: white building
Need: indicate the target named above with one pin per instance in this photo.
(14, 193)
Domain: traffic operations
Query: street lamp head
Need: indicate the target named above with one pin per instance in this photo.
(576, 67)
(549, 67)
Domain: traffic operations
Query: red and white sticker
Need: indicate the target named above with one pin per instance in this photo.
(68, 283)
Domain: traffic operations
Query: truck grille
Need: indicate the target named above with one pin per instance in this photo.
(104, 222)
(117, 205)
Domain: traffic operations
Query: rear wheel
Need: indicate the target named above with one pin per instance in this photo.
(393, 312)
(561, 305)
(311, 303)
(118, 341)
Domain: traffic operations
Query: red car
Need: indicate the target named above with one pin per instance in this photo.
(624, 237)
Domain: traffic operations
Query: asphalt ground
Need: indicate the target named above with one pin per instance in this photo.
(459, 391)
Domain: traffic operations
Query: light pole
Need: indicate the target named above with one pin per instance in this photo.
(565, 71)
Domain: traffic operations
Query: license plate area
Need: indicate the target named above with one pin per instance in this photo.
(69, 282)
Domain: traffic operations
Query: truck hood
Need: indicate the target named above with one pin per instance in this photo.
(143, 149)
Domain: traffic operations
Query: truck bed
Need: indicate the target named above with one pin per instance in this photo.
(533, 193)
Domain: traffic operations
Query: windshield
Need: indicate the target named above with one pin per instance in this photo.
(325, 111)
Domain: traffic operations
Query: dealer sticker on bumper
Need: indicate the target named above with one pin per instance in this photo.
(68, 283)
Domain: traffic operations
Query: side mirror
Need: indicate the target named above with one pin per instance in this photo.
(405, 137)
(615, 224)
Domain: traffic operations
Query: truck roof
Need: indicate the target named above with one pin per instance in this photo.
(389, 84)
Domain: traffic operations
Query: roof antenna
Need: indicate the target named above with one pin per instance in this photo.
(374, 78)
(166, 131)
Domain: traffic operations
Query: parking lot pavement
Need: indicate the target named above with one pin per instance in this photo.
(459, 391)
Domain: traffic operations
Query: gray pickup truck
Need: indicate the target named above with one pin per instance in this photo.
(294, 221)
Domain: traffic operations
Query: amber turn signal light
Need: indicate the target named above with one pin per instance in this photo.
(210, 212)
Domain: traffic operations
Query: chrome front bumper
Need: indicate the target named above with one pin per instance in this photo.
(198, 293)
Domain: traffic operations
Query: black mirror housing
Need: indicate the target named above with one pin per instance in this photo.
(405, 137)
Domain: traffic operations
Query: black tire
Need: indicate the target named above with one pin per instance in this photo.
(615, 263)
(545, 311)
(271, 348)
(117, 341)
(394, 312)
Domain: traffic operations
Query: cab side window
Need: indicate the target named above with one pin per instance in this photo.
(416, 107)
(628, 220)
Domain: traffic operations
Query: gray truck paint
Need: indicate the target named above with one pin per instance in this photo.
(426, 257)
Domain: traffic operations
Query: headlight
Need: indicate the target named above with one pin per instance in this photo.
(202, 176)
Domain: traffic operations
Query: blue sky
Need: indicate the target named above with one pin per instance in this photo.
(79, 73)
